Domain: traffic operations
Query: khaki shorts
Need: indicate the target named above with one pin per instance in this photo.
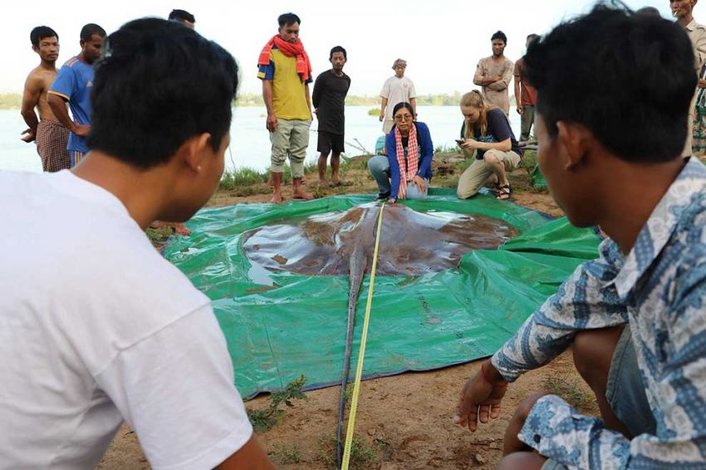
(480, 171)
(290, 139)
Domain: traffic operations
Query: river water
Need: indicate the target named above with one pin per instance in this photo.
(250, 145)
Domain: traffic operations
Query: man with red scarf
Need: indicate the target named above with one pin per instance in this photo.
(285, 71)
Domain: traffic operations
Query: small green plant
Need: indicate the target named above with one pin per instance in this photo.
(286, 454)
(374, 112)
(265, 419)
(159, 236)
(363, 455)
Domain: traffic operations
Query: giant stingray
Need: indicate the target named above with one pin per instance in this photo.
(411, 243)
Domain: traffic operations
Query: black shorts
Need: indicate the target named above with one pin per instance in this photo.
(328, 142)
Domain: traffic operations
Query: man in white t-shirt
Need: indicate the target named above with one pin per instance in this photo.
(396, 89)
(95, 326)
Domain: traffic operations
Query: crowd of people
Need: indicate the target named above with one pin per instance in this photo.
(98, 328)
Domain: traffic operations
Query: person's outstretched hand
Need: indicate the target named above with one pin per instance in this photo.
(480, 398)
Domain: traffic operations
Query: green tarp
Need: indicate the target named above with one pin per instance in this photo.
(279, 326)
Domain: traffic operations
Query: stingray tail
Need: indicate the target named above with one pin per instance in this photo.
(356, 270)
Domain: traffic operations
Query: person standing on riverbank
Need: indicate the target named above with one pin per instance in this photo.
(493, 74)
(396, 89)
(285, 71)
(328, 97)
(50, 135)
(73, 85)
(183, 17)
(525, 95)
(682, 10)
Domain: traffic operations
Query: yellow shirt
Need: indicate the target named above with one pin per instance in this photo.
(289, 100)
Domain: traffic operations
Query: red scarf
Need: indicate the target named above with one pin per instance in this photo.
(289, 49)
(412, 164)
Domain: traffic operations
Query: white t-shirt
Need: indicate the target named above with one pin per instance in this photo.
(396, 90)
(95, 326)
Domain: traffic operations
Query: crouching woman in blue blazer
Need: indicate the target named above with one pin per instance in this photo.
(406, 171)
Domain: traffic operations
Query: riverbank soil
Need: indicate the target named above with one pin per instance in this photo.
(405, 421)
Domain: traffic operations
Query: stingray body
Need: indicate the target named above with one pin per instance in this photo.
(411, 243)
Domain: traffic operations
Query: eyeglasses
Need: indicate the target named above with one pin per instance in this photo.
(403, 117)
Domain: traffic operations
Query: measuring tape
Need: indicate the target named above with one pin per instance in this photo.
(361, 354)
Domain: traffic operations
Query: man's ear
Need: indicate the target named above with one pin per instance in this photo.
(576, 140)
(35, 48)
(195, 150)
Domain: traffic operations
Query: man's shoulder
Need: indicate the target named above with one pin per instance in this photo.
(40, 77)
(72, 63)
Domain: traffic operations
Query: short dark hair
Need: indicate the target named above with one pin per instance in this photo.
(287, 19)
(401, 105)
(532, 37)
(41, 32)
(337, 49)
(157, 85)
(181, 15)
(89, 30)
(628, 78)
(499, 35)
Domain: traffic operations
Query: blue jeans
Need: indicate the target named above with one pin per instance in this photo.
(379, 168)
(625, 392)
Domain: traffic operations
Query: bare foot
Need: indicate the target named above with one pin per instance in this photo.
(277, 198)
(301, 194)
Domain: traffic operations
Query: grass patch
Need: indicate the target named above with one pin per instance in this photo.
(363, 455)
(286, 454)
(234, 180)
(265, 419)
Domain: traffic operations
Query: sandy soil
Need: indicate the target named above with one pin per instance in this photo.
(404, 422)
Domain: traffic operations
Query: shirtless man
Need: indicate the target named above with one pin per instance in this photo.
(51, 136)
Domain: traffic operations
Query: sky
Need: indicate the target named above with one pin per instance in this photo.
(442, 40)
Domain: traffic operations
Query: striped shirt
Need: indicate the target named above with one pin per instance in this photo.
(660, 289)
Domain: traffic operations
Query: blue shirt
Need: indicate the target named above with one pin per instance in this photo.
(74, 83)
(426, 154)
(660, 289)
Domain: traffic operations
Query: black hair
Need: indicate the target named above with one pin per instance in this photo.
(628, 78)
(41, 32)
(181, 15)
(157, 85)
(648, 11)
(287, 19)
(337, 49)
(401, 105)
(89, 30)
(532, 37)
(499, 35)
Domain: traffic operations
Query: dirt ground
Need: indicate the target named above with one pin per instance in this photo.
(405, 421)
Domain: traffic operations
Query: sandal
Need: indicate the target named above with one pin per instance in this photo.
(503, 192)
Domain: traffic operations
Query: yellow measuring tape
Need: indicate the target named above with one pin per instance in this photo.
(361, 354)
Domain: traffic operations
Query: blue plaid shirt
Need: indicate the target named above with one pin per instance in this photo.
(660, 289)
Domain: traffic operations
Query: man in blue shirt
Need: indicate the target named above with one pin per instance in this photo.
(73, 86)
(613, 93)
